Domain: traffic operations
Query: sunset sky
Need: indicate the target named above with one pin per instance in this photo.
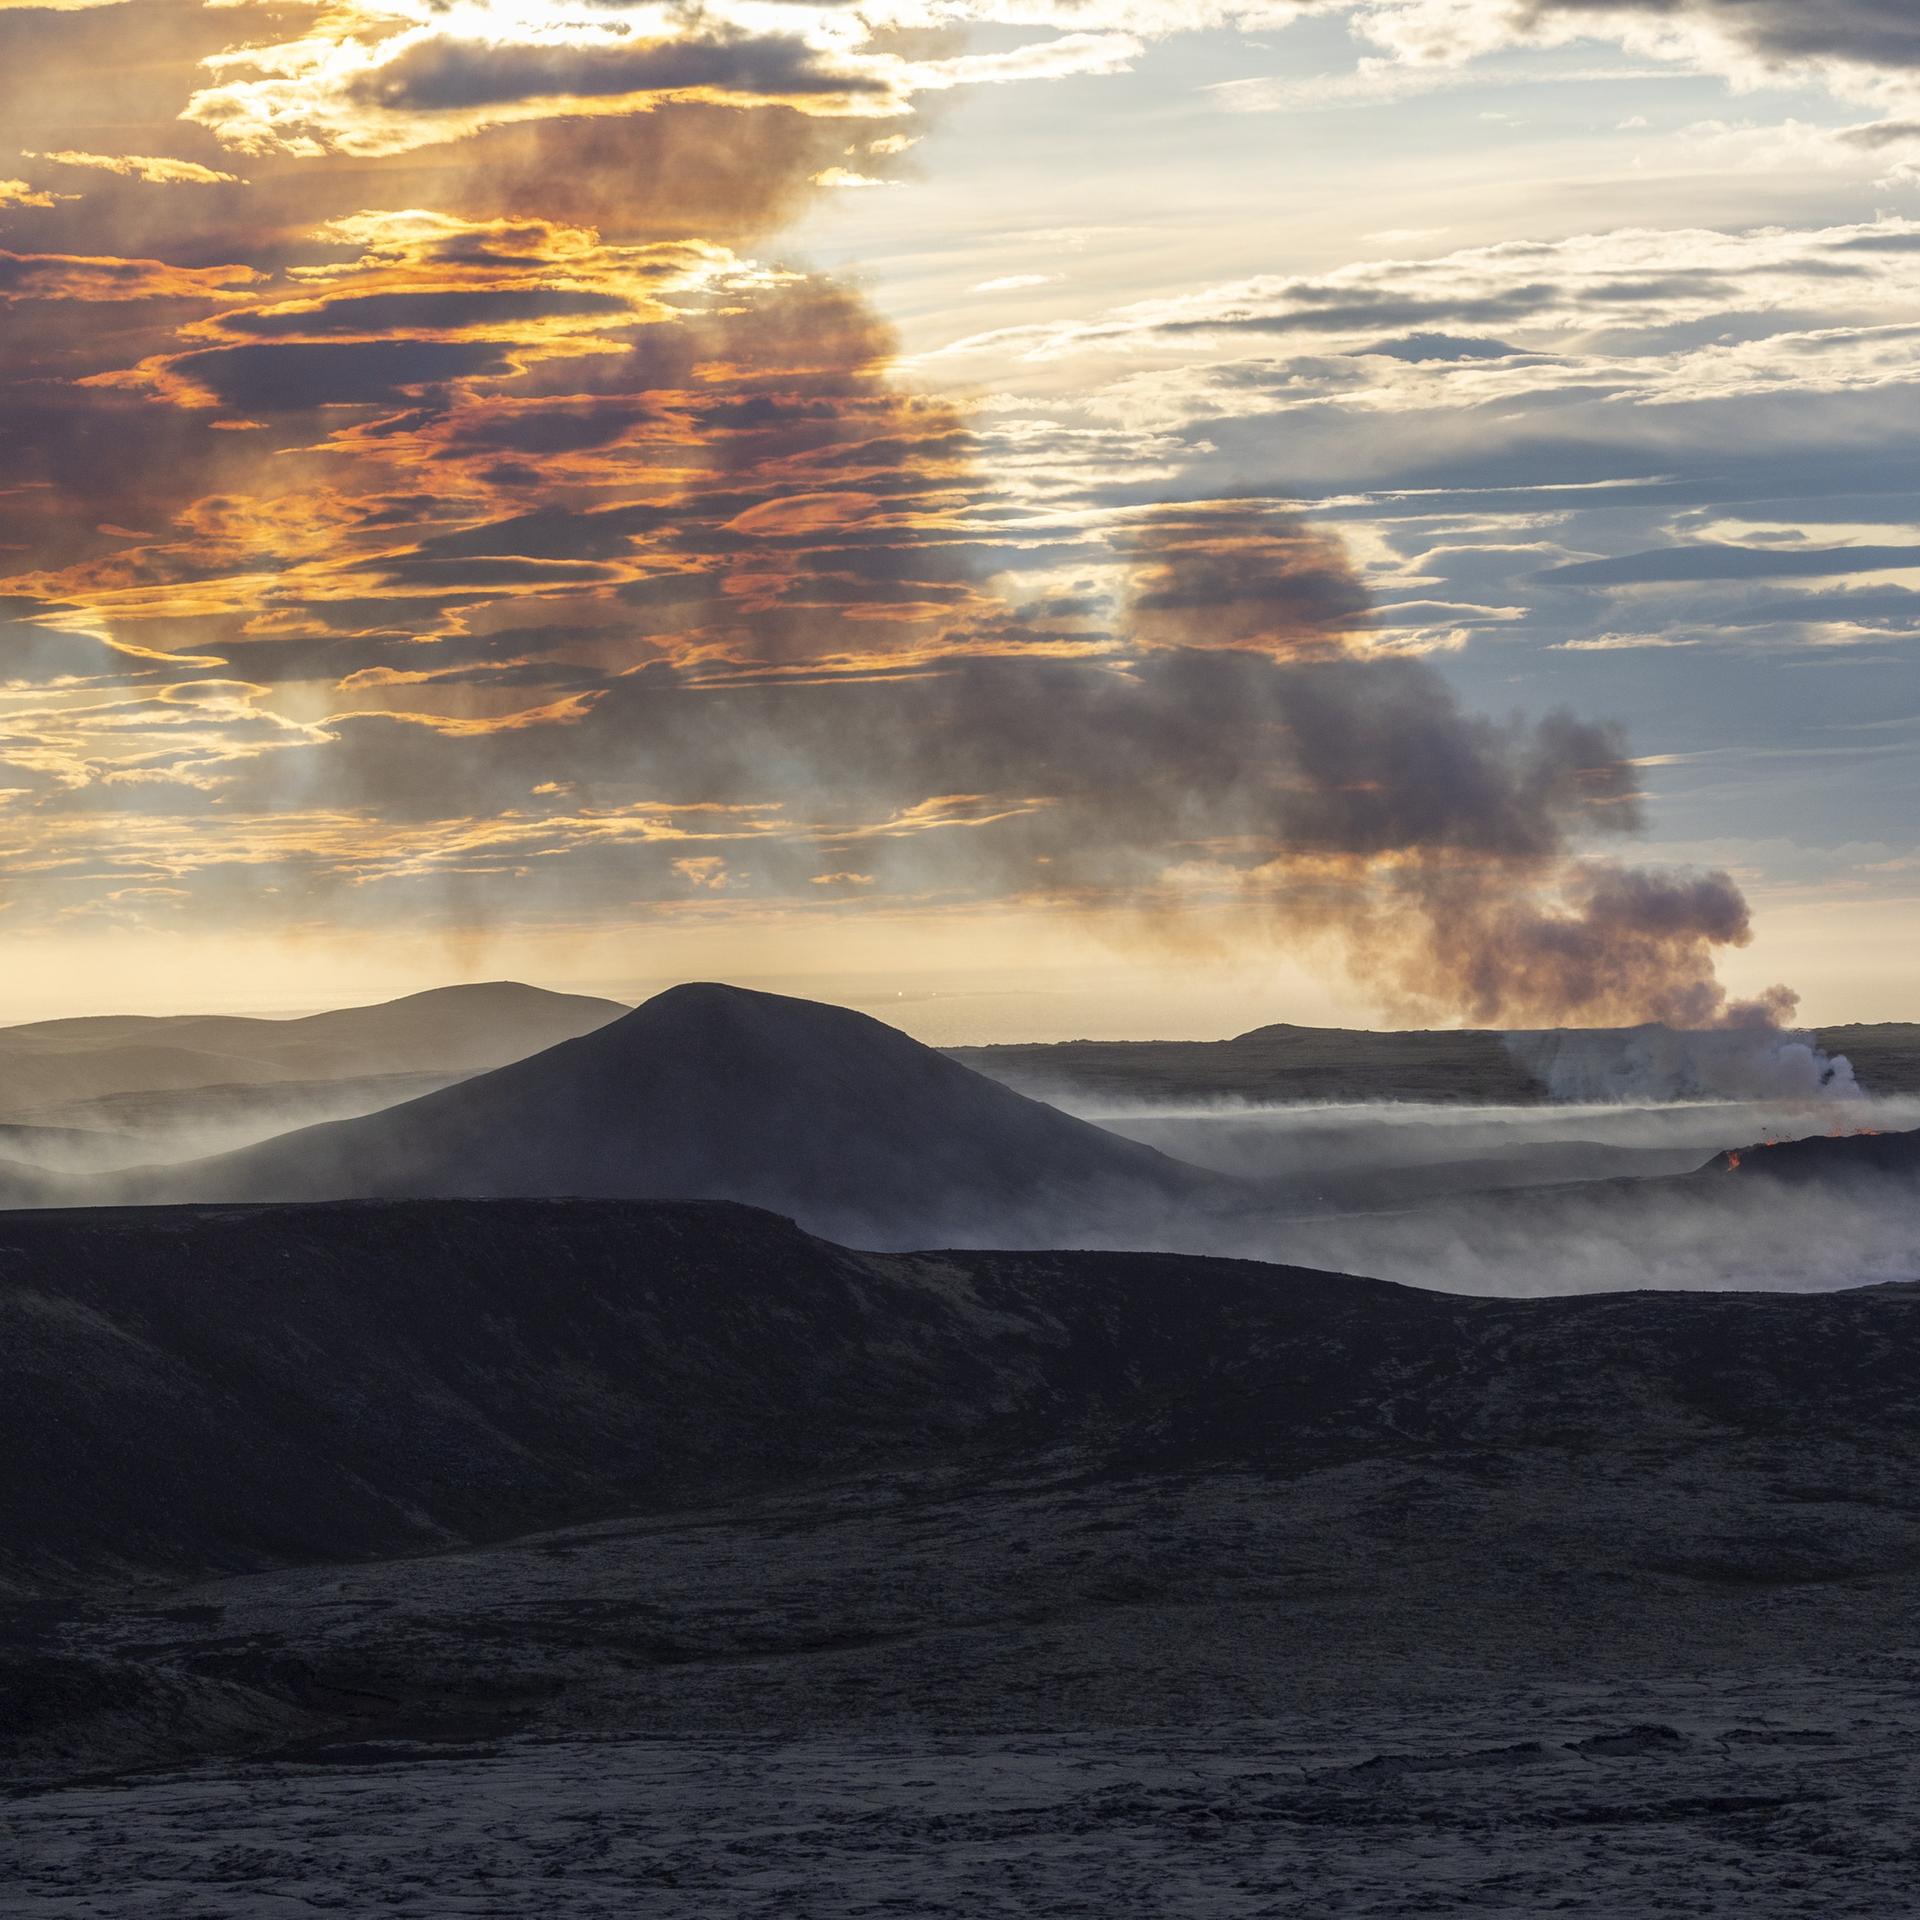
(1126, 516)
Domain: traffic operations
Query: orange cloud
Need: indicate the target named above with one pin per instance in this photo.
(64, 276)
(154, 169)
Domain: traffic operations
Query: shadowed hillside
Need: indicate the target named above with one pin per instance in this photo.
(203, 1387)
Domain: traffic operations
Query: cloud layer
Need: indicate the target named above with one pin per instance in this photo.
(433, 498)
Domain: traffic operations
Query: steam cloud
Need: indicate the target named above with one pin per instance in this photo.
(1747, 1061)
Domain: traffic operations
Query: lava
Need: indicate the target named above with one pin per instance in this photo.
(1833, 1133)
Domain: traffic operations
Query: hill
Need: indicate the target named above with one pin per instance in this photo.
(713, 1092)
(1273, 1063)
(1286, 1063)
(1885, 1056)
(63, 1064)
(228, 1387)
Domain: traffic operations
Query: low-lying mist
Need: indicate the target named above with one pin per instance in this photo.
(1492, 1200)
(1751, 1060)
(1591, 1140)
(1542, 1199)
(119, 1131)
(1744, 1234)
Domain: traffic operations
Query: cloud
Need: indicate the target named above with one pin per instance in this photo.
(389, 80)
(60, 276)
(1372, 83)
(1868, 33)
(301, 376)
(1711, 562)
(519, 532)
(1065, 58)
(1646, 317)
(392, 92)
(1748, 38)
(153, 169)
(440, 75)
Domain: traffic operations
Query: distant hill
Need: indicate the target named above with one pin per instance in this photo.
(63, 1149)
(1276, 1063)
(1287, 1063)
(1886, 1057)
(715, 1092)
(53, 1069)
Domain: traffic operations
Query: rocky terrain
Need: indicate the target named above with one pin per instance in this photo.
(426, 1556)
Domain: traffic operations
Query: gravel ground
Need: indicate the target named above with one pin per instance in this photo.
(1785, 1796)
(1374, 1689)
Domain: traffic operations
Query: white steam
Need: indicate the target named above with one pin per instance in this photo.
(1598, 1197)
(1737, 1062)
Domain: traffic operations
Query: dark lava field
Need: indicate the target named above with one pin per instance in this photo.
(599, 1557)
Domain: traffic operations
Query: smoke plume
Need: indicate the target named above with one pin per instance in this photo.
(1241, 743)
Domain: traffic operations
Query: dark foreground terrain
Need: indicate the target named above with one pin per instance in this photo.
(546, 1557)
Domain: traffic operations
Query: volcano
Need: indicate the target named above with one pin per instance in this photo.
(715, 1092)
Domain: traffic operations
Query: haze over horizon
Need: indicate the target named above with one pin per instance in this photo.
(951, 1008)
(611, 496)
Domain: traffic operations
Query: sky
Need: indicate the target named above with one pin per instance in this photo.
(1112, 517)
